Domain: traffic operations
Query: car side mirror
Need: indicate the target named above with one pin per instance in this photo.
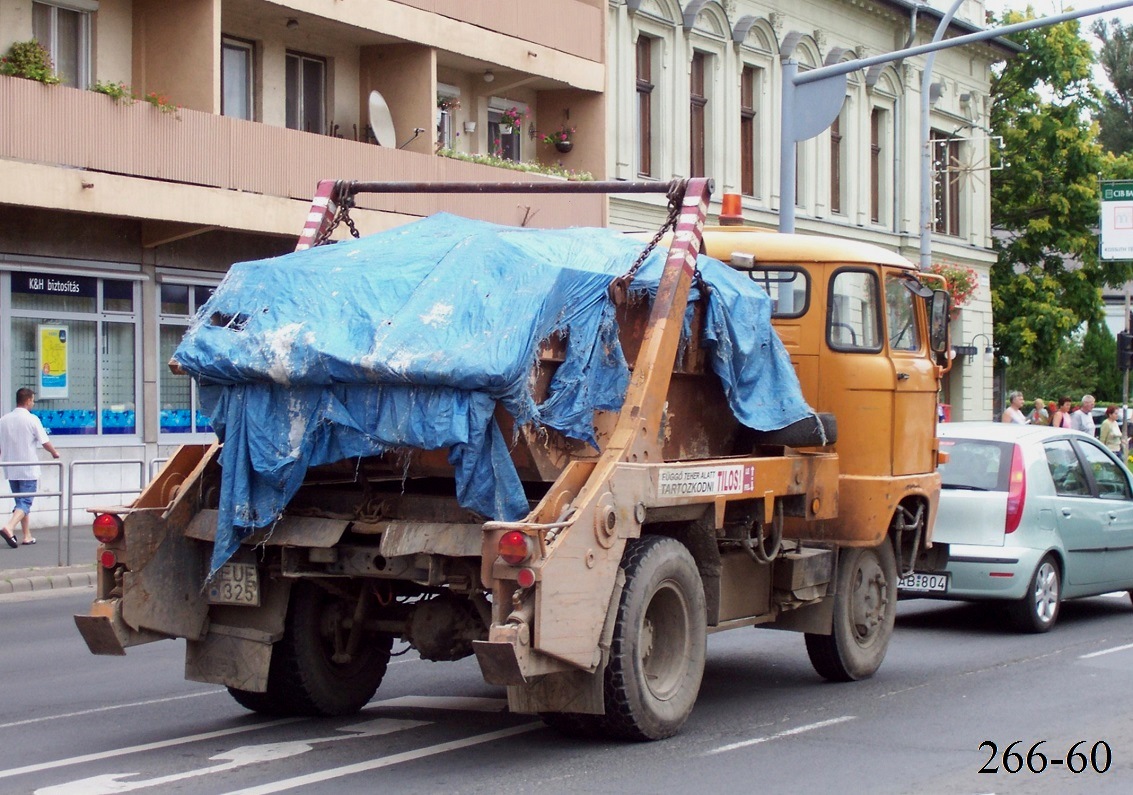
(939, 306)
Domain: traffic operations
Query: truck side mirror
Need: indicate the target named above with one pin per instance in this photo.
(939, 307)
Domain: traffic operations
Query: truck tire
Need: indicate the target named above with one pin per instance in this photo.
(865, 606)
(659, 643)
(303, 678)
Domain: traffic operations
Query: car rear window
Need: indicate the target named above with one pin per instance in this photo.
(976, 464)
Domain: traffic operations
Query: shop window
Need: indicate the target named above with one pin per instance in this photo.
(64, 31)
(177, 394)
(74, 340)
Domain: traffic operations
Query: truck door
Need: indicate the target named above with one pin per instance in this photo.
(856, 374)
(914, 373)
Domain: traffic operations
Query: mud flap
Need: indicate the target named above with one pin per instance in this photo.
(239, 660)
(98, 632)
(568, 691)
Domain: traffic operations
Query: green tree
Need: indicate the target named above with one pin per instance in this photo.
(1116, 57)
(1047, 278)
(1086, 362)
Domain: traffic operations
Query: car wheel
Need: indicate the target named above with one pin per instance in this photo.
(1038, 609)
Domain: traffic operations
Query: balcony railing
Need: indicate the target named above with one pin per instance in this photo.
(60, 126)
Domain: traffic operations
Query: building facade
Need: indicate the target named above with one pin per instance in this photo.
(208, 127)
(696, 90)
(187, 136)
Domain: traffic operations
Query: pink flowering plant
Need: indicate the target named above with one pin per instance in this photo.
(962, 281)
(512, 117)
(562, 135)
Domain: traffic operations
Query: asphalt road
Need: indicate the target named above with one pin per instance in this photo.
(953, 680)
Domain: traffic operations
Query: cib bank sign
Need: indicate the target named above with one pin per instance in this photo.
(1117, 220)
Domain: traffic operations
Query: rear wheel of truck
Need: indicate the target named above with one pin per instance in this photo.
(865, 605)
(311, 673)
(658, 649)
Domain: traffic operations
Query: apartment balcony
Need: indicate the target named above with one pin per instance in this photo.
(76, 150)
(245, 170)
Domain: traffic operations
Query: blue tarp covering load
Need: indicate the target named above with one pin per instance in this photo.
(409, 338)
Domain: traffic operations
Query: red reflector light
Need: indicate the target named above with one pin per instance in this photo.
(514, 547)
(108, 559)
(525, 578)
(1016, 491)
(731, 211)
(1000, 574)
(106, 527)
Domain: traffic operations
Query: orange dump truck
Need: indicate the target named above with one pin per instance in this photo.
(592, 600)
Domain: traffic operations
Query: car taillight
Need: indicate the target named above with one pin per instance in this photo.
(1016, 491)
(108, 559)
(515, 547)
(107, 527)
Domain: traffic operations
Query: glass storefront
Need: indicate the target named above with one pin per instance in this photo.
(74, 340)
(178, 393)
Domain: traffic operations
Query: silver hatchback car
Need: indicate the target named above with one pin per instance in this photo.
(1032, 515)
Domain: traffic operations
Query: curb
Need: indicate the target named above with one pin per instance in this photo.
(46, 579)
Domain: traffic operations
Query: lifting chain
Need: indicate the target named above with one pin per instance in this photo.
(619, 287)
(344, 201)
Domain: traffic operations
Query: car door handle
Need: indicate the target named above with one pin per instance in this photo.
(1066, 511)
(902, 376)
(1112, 516)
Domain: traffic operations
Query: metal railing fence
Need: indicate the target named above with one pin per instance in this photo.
(66, 491)
(57, 465)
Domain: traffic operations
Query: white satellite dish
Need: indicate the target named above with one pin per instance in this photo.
(381, 122)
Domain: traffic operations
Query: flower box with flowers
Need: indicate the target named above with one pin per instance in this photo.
(562, 139)
(961, 281)
(511, 120)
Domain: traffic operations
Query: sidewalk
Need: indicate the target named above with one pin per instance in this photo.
(37, 567)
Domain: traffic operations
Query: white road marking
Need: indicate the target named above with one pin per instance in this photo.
(1105, 651)
(242, 756)
(462, 703)
(385, 761)
(97, 710)
(787, 733)
(134, 749)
